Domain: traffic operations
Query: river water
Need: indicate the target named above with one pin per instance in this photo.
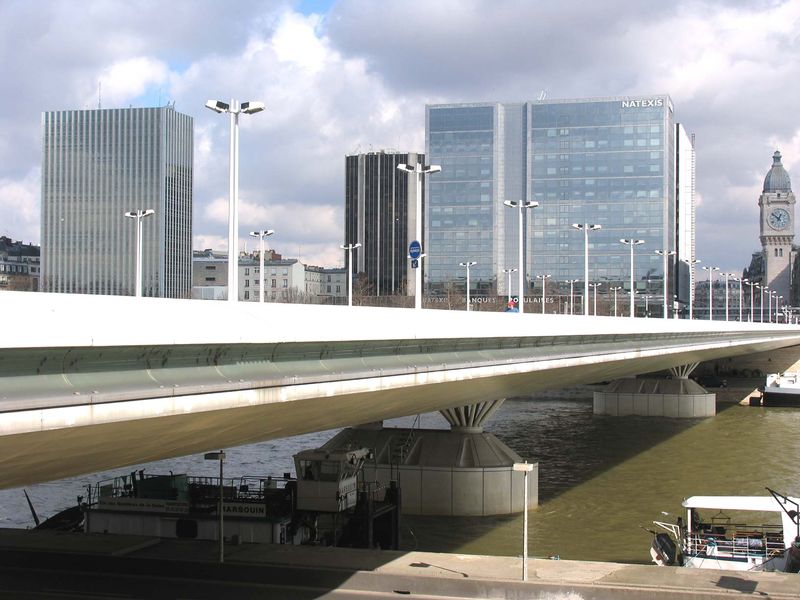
(601, 479)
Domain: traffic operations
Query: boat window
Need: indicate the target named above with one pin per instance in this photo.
(329, 470)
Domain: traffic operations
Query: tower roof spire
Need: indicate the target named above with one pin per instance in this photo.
(777, 179)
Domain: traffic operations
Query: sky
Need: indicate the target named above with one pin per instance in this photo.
(345, 76)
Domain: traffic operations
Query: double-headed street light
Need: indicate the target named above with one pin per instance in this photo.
(261, 234)
(586, 228)
(509, 271)
(761, 304)
(710, 291)
(419, 170)
(665, 254)
(467, 264)
(752, 284)
(632, 242)
(727, 276)
(234, 109)
(595, 286)
(350, 248)
(521, 205)
(139, 214)
(616, 288)
(571, 283)
(544, 279)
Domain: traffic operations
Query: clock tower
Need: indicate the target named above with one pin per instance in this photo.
(776, 205)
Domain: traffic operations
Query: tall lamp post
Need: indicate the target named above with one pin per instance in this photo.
(544, 279)
(521, 205)
(761, 303)
(727, 276)
(350, 248)
(220, 456)
(595, 286)
(526, 468)
(692, 263)
(665, 254)
(632, 242)
(710, 291)
(139, 214)
(467, 264)
(571, 283)
(419, 170)
(777, 308)
(234, 109)
(616, 288)
(771, 294)
(586, 228)
(752, 284)
(509, 271)
(261, 234)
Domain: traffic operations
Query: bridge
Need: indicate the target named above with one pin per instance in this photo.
(89, 383)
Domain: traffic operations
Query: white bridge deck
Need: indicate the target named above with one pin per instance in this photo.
(96, 382)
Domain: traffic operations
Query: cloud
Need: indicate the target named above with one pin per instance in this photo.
(19, 207)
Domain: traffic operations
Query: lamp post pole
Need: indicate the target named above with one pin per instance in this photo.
(419, 170)
(777, 308)
(632, 242)
(751, 284)
(571, 283)
(509, 271)
(769, 306)
(665, 254)
(544, 279)
(727, 276)
(526, 468)
(741, 296)
(220, 456)
(761, 303)
(616, 288)
(521, 205)
(234, 109)
(139, 214)
(467, 264)
(350, 248)
(710, 291)
(594, 301)
(586, 228)
(261, 234)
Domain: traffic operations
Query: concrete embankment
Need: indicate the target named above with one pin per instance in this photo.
(316, 572)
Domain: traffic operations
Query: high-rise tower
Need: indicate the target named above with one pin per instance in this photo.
(98, 164)
(776, 205)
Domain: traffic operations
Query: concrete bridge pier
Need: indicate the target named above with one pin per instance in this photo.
(470, 418)
(678, 397)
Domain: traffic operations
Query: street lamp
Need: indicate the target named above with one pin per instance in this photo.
(727, 275)
(220, 456)
(752, 284)
(139, 214)
(467, 264)
(571, 283)
(544, 279)
(761, 303)
(526, 468)
(350, 248)
(261, 234)
(692, 263)
(616, 288)
(777, 308)
(586, 228)
(631, 242)
(521, 205)
(771, 294)
(509, 271)
(710, 291)
(419, 170)
(234, 109)
(665, 254)
(595, 286)
(647, 305)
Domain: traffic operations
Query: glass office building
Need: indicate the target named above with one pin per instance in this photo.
(608, 161)
(99, 164)
(380, 214)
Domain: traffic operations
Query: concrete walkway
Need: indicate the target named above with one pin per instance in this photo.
(331, 572)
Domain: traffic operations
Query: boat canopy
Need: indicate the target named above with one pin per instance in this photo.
(757, 503)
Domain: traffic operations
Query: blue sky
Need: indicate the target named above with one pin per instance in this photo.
(356, 74)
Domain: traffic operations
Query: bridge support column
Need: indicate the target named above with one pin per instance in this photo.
(649, 397)
(470, 418)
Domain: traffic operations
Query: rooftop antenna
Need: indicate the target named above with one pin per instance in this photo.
(542, 95)
(99, 94)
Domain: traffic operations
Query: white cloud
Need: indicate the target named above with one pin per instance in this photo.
(19, 207)
(125, 80)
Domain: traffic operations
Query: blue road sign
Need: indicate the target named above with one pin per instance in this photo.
(414, 249)
(414, 263)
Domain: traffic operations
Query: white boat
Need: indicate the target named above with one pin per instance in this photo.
(781, 389)
(721, 542)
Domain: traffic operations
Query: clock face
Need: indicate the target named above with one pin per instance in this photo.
(779, 218)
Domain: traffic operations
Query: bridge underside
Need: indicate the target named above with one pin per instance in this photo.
(90, 383)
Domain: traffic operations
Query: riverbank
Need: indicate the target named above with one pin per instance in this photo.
(315, 572)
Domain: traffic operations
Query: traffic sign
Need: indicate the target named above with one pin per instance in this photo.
(414, 249)
(414, 263)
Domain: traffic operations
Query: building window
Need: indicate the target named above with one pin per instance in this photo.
(285, 283)
(274, 283)
(247, 271)
(338, 289)
(211, 267)
(211, 278)
(329, 289)
(247, 295)
(246, 283)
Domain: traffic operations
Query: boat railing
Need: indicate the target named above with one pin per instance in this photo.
(766, 540)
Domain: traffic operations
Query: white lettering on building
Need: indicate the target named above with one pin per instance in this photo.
(645, 103)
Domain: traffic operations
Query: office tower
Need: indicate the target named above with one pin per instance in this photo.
(99, 164)
(380, 214)
(607, 161)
